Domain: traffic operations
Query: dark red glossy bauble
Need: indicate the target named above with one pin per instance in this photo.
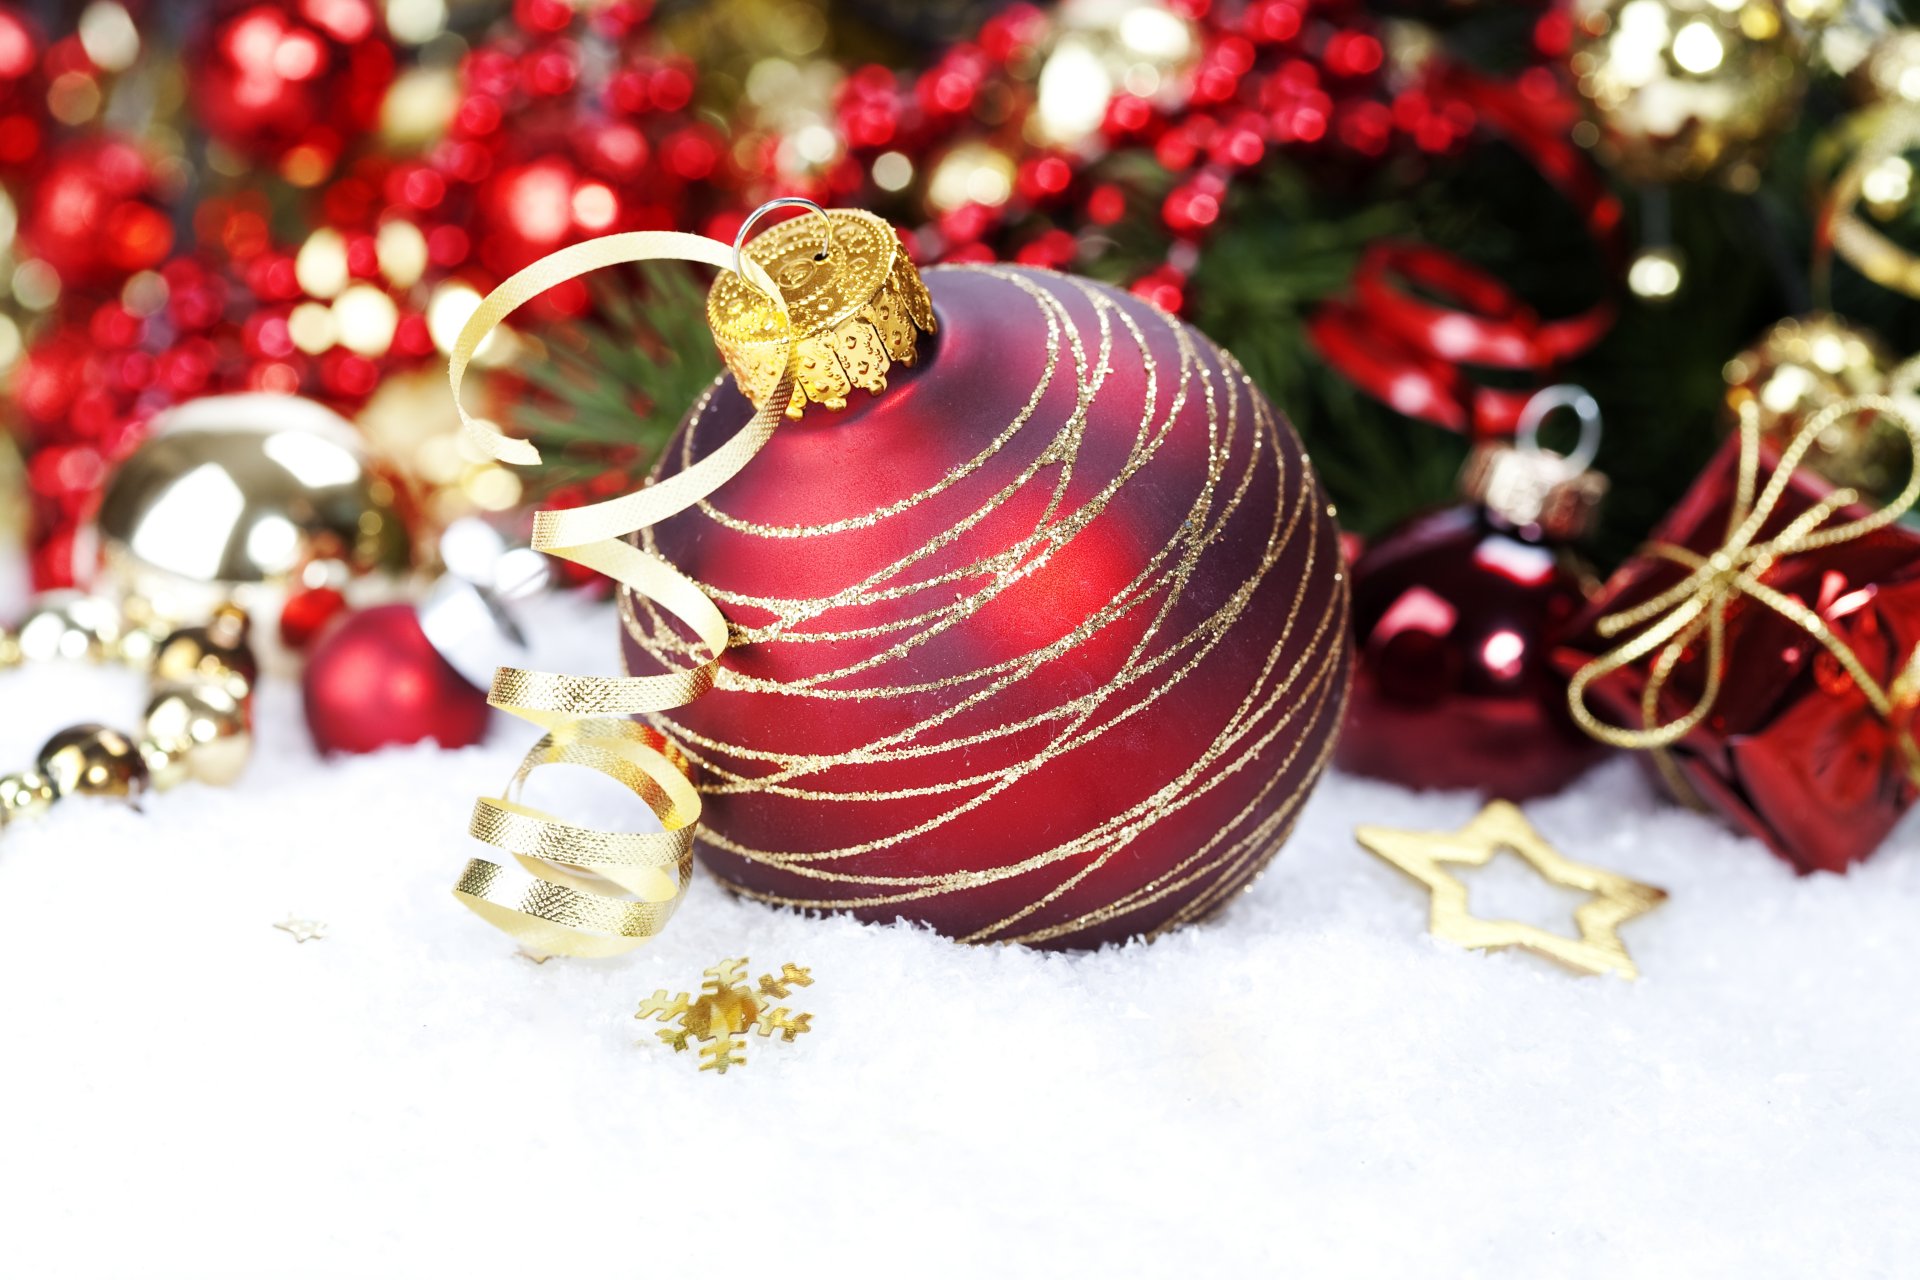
(1453, 679)
(1045, 643)
(293, 82)
(375, 681)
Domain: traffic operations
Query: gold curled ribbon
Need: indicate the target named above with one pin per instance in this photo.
(557, 901)
(1842, 232)
(1698, 603)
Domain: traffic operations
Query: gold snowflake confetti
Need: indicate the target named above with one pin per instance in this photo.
(726, 1009)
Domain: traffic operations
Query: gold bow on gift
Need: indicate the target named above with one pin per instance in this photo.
(1698, 603)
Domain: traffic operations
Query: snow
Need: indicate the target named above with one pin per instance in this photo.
(1309, 1085)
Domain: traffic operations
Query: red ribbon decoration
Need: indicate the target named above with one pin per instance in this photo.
(1414, 351)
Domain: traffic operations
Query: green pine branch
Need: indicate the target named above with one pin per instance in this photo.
(608, 390)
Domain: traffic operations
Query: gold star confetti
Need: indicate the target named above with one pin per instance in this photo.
(1425, 855)
(726, 1010)
(302, 930)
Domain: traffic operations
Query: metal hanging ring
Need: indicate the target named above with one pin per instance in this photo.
(784, 202)
(1563, 396)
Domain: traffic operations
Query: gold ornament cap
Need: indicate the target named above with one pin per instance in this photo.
(856, 304)
(1527, 485)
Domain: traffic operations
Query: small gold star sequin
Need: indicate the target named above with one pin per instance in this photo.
(1425, 856)
(302, 930)
(726, 1009)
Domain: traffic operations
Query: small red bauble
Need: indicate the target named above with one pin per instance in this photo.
(375, 681)
(1453, 678)
(1047, 642)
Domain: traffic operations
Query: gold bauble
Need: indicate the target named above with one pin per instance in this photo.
(1678, 90)
(217, 654)
(24, 795)
(1801, 365)
(412, 424)
(203, 732)
(1890, 73)
(92, 760)
(68, 626)
(250, 497)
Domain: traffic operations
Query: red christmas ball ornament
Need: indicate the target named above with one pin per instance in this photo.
(94, 217)
(1044, 642)
(376, 681)
(1456, 615)
(293, 82)
(399, 674)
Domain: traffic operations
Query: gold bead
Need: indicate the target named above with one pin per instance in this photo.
(139, 644)
(202, 727)
(67, 625)
(92, 760)
(165, 770)
(214, 654)
(10, 654)
(24, 795)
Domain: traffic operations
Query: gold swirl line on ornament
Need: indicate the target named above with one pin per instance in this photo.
(1175, 797)
(559, 901)
(1007, 565)
(1116, 832)
(1077, 522)
(1318, 689)
(867, 520)
(1089, 628)
(1031, 662)
(1210, 630)
(871, 755)
(1244, 859)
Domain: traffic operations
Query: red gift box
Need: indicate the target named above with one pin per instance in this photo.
(1792, 748)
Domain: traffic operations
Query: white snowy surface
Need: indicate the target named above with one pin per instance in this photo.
(1309, 1085)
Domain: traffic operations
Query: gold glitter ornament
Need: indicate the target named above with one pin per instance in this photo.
(1680, 90)
(1800, 366)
